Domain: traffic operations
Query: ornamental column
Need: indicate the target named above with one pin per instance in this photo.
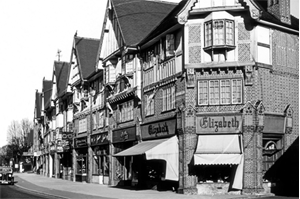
(252, 142)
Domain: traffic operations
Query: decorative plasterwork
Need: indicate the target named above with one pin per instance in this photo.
(289, 119)
(182, 16)
(248, 112)
(260, 116)
(249, 75)
(255, 12)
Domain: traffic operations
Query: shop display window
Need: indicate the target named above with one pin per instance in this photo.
(101, 161)
(214, 173)
(155, 170)
(81, 164)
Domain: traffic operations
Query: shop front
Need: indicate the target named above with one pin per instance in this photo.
(219, 159)
(122, 139)
(81, 148)
(100, 164)
(155, 160)
(66, 156)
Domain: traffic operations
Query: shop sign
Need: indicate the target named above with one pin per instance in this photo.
(218, 124)
(82, 125)
(99, 139)
(67, 135)
(81, 142)
(159, 129)
(124, 135)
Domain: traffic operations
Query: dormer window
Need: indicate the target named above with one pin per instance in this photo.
(219, 33)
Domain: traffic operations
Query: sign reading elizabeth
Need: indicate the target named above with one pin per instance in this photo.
(159, 129)
(218, 124)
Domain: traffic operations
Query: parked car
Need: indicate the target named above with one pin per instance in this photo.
(6, 175)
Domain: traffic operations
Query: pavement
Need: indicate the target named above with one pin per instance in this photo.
(65, 189)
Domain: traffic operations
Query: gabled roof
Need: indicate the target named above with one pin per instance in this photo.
(61, 74)
(169, 21)
(47, 91)
(86, 50)
(137, 18)
(258, 12)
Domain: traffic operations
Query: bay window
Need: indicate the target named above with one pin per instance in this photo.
(216, 92)
(219, 33)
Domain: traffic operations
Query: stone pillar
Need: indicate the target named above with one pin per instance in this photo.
(47, 165)
(90, 163)
(187, 144)
(56, 165)
(50, 165)
(74, 165)
(288, 127)
(252, 138)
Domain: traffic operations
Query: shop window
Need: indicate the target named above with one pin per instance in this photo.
(81, 164)
(214, 173)
(168, 98)
(100, 164)
(272, 150)
(219, 92)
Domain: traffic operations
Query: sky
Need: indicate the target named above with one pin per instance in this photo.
(31, 33)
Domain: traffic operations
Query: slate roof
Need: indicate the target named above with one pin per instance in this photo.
(138, 17)
(86, 51)
(61, 74)
(169, 21)
(47, 90)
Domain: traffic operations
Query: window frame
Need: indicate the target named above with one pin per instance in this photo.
(168, 98)
(211, 31)
(149, 109)
(126, 111)
(238, 99)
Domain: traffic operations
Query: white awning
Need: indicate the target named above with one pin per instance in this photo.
(163, 149)
(141, 148)
(214, 159)
(219, 150)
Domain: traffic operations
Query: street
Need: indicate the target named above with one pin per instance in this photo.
(11, 191)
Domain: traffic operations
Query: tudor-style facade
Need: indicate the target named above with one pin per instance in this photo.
(122, 64)
(83, 62)
(239, 60)
(37, 132)
(64, 117)
(49, 127)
